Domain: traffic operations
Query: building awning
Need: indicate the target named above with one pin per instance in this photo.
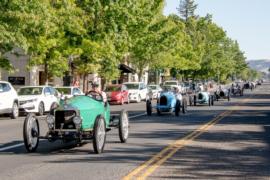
(126, 69)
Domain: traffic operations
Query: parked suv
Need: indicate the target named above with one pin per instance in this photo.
(37, 99)
(137, 91)
(8, 100)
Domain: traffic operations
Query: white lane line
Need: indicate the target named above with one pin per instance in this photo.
(11, 147)
(138, 115)
(22, 144)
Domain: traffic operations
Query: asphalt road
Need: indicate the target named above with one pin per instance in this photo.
(230, 140)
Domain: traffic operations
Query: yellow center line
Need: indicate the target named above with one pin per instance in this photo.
(147, 168)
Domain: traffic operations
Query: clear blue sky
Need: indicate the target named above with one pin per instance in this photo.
(246, 21)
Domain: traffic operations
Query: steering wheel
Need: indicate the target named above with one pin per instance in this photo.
(95, 95)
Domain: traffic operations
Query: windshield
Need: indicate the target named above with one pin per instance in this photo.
(132, 86)
(66, 91)
(4, 87)
(170, 83)
(153, 87)
(167, 88)
(112, 88)
(186, 84)
(30, 91)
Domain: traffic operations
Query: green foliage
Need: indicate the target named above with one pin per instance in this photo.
(97, 35)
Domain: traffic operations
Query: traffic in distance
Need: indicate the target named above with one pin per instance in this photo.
(122, 122)
(72, 115)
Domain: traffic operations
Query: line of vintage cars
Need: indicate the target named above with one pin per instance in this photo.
(79, 117)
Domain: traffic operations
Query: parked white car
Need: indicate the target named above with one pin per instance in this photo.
(137, 91)
(154, 91)
(174, 83)
(8, 100)
(69, 91)
(37, 99)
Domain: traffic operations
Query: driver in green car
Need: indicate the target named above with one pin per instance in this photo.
(95, 88)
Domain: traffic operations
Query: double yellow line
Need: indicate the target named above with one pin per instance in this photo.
(147, 168)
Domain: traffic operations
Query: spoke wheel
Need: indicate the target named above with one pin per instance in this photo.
(31, 133)
(99, 135)
(123, 126)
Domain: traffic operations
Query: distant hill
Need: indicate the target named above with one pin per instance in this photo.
(260, 65)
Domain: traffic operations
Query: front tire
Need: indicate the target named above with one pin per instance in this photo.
(148, 107)
(195, 100)
(40, 109)
(177, 108)
(31, 133)
(139, 99)
(99, 135)
(15, 111)
(123, 126)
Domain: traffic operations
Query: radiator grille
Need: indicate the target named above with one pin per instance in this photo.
(65, 118)
(163, 100)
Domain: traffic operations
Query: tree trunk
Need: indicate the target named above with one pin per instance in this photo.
(85, 89)
(46, 73)
(140, 74)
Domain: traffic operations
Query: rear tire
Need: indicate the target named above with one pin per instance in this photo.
(53, 107)
(212, 100)
(158, 112)
(99, 137)
(148, 107)
(15, 111)
(177, 108)
(127, 100)
(31, 133)
(123, 126)
(184, 106)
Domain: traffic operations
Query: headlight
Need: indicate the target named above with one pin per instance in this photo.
(50, 121)
(77, 120)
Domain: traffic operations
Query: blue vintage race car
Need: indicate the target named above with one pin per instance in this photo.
(168, 101)
(203, 98)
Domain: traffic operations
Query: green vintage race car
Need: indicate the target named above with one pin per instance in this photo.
(79, 118)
